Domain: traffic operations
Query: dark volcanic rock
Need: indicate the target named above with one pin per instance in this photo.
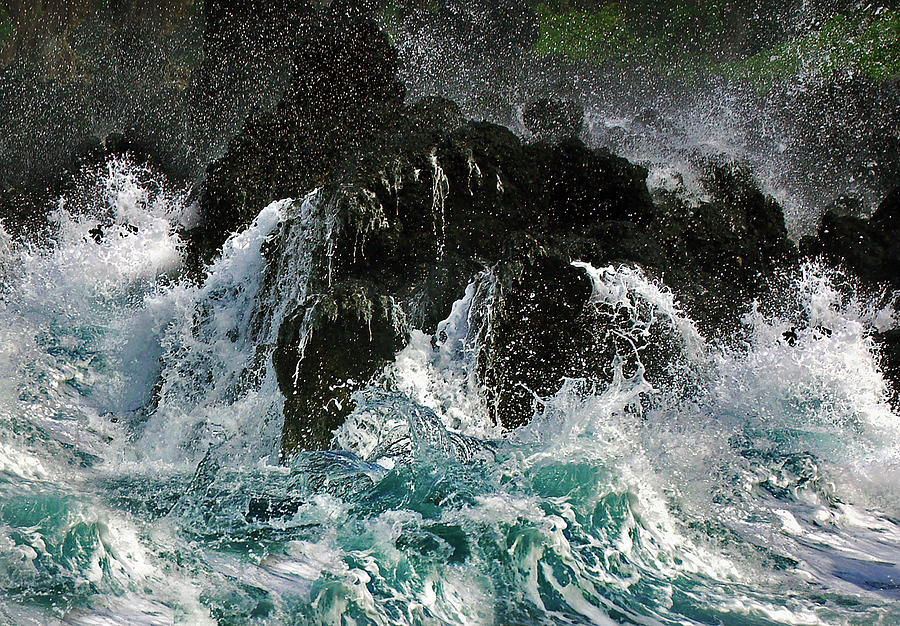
(475, 198)
(343, 93)
(418, 203)
(889, 348)
(346, 337)
(418, 223)
(553, 119)
(542, 311)
(870, 248)
(724, 254)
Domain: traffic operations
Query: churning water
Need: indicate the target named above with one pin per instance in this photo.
(140, 480)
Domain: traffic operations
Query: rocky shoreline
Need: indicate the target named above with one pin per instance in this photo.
(417, 202)
(420, 201)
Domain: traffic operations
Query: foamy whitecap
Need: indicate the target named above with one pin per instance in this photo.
(746, 495)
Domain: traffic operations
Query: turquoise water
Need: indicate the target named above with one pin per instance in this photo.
(141, 483)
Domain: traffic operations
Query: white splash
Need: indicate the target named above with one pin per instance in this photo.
(207, 393)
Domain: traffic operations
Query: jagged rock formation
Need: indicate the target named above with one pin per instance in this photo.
(870, 248)
(549, 119)
(420, 202)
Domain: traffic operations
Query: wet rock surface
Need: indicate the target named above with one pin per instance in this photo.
(343, 93)
(550, 119)
(421, 201)
(870, 249)
(354, 332)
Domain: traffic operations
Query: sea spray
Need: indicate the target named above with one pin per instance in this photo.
(621, 501)
(68, 369)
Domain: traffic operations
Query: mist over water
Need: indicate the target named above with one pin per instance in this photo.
(142, 474)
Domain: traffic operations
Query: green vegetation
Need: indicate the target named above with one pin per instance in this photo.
(672, 34)
(390, 19)
(583, 34)
(687, 37)
(870, 46)
(6, 27)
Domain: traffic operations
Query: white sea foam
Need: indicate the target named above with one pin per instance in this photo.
(618, 502)
(206, 395)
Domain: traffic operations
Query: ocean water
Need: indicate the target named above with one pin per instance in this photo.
(140, 479)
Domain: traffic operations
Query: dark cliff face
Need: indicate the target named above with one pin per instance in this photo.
(172, 80)
(868, 247)
(343, 94)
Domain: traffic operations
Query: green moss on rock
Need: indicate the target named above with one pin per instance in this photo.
(583, 34)
(7, 30)
(688, 37)
(866, 43)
